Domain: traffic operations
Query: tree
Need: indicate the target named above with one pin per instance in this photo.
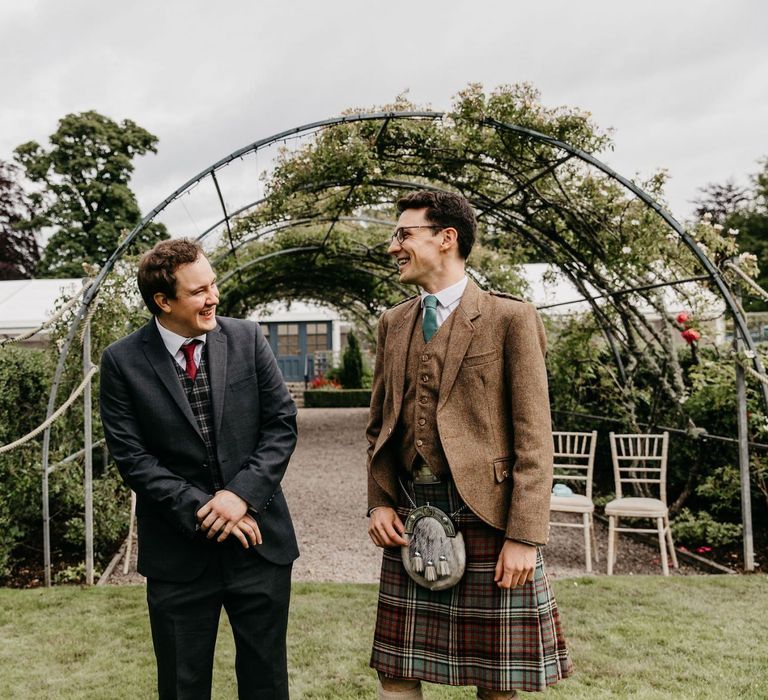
(743, 213)
(84, 193)
(19, 247)
(352, 364)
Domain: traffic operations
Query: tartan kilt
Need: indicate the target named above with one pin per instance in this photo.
(474, 633)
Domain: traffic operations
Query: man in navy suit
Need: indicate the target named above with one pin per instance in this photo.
(199, 420)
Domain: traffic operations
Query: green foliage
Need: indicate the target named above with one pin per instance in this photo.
(693, 529)
(351, 374)
(742, 213)
(84, 194)
(24, 379)
(338, 398)
(19, 247)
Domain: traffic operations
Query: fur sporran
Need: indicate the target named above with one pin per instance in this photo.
(435, 556)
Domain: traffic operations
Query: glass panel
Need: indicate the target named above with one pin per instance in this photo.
(288, 338)
(317, 337)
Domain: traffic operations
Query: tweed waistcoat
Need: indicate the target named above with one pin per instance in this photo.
(199, 396)
(419, 438)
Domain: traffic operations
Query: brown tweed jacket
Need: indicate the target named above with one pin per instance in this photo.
(492, 415)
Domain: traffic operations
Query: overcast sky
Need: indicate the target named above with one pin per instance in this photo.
(683, 84)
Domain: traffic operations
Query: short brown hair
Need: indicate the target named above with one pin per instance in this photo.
(157, 266)
(445, 209)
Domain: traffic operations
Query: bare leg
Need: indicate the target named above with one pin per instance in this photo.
(399, 688)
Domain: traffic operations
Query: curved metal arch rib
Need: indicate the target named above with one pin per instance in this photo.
(429, 115)
(641, 194)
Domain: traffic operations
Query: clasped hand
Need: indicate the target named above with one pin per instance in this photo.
(227, 514)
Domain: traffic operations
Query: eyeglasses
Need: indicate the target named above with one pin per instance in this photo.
(401, 233)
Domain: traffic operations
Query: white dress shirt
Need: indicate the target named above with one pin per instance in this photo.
(447, 300)
(174, 341)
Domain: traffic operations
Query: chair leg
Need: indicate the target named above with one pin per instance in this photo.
(610, 545)
(670, 543)
(587, 543)
(594, 537)
(616, 538)
(662, 546)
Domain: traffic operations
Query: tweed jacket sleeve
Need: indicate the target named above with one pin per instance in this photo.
(526, 378)
(376, 495)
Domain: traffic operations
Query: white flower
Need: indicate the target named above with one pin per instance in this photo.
(707, 216)
(718, 227)
(733, 232)
(671, 236)
(635, 222)
(747, 258)
(626, 250)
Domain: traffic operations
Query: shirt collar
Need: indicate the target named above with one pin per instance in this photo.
(449, 295)
(174, 341)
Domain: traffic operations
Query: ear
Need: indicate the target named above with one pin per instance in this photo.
(450, 238)
(162, 301)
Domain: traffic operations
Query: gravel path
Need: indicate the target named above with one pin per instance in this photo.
(326, 490)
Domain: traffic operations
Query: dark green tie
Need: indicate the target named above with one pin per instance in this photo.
(429, 324)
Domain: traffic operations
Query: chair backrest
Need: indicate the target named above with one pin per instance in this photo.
(575, 458)
(640, 458)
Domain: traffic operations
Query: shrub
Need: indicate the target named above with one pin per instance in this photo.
(341, 398)
(351, 374)
(24, 377)
(693, 529)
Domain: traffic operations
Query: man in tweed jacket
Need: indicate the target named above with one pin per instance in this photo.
(201, 425)
(469, 403)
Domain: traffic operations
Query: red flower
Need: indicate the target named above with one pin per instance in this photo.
(682, 318)
(691, 335)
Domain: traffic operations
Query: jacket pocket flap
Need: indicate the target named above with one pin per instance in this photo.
(481, 359)
(502, 468)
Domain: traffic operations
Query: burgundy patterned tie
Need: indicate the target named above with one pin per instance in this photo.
(189, 354)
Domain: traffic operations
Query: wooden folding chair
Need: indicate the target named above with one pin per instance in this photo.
(640, 459)
(574, 462)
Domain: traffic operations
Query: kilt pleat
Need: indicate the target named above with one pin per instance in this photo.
(474, 633)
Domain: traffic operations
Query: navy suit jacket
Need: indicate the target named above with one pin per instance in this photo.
(153, 436)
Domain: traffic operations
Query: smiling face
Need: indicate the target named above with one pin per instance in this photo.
(421, 256)
(193, 311)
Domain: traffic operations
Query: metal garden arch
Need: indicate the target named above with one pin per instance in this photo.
(501, 128)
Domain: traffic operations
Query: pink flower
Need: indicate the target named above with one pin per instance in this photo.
(691, 335)
(703, 549)
(682, 317)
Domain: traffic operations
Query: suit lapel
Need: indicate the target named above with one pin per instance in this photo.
(400, 341)
(162, 363)
(462, 331)
(217, 369)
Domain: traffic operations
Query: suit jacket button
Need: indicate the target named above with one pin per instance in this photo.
(389, 431)
(419, 443)
(505, 473)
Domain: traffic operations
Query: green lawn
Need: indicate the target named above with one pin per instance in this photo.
(631, 637)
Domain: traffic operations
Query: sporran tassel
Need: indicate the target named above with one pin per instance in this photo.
(417, 562)
(430, 573)
(442, 566)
